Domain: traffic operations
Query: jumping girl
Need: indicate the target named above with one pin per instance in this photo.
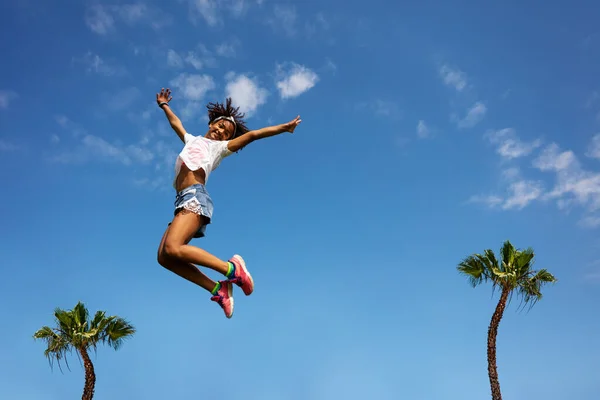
(227, 133)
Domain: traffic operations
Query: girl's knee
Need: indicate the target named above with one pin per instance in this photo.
(170, 250)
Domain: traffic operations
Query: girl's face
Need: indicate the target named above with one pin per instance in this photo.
(220, 130)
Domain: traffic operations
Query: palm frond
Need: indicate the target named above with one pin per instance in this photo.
(474, 269)
(524, 262)
(117, 331)
(57, 345)
(508, 255)
(530, 289)
(80, 317)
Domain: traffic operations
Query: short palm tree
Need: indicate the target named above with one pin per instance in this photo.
(512, 274)
(74, 331)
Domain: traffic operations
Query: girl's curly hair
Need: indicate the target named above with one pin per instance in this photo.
(216, 110)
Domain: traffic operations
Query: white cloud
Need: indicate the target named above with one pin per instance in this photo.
(245, 93)
(453, 77)
(519, 194)
(297, 80)
(475, 115)
(94, 63)
(552, 159)
(6, 96)
(193, 86)
(573, 185)
(509, 145)
(55, 138)
(593, 150)
(423, 131)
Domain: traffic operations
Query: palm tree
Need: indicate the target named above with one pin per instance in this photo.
(512, 274)
(74, 331)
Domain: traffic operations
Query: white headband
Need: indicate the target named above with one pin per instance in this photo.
(230, 119)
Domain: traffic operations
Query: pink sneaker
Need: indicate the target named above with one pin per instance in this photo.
(224, 298)
(242, 277)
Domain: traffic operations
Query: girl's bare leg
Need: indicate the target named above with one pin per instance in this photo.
(175, 246)
(185, 270)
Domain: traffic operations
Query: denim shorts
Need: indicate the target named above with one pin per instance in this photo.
(196, 199)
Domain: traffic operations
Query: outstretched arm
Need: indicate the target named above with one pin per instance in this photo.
(249, 137)
(162, 99)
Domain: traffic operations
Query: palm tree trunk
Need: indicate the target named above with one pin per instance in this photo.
(491, 346)
(90, 375)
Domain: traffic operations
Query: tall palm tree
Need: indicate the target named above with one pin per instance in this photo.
(74, 331)
(513, 273)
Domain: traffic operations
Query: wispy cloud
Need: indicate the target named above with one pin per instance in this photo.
(593, 149)
(122, 99)
(474, 115)
(283, 19)
(508, 144)
(95, 64)
(245, 92)
(101, 19)
(227, 49)
(198, 58)
(294, 80)
(88, 147)
(591, 221)
(519, 193)
(453, 77)
(423, 131)
(574, 185)
(380, 107)
(7, 146)
(6, 97)
(213, 11)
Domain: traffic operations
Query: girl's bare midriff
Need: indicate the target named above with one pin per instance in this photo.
(187, 178)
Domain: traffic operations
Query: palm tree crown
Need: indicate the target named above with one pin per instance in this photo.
(513, 272)
(74, 331)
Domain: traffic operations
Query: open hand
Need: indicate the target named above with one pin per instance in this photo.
(164, 96)
(290, 126)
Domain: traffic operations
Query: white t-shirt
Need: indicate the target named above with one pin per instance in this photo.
(201, 153)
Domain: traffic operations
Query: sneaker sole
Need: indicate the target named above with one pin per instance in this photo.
(230, 293)
(243, 264)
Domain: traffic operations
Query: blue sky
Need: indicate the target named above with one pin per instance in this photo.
(430, 131)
